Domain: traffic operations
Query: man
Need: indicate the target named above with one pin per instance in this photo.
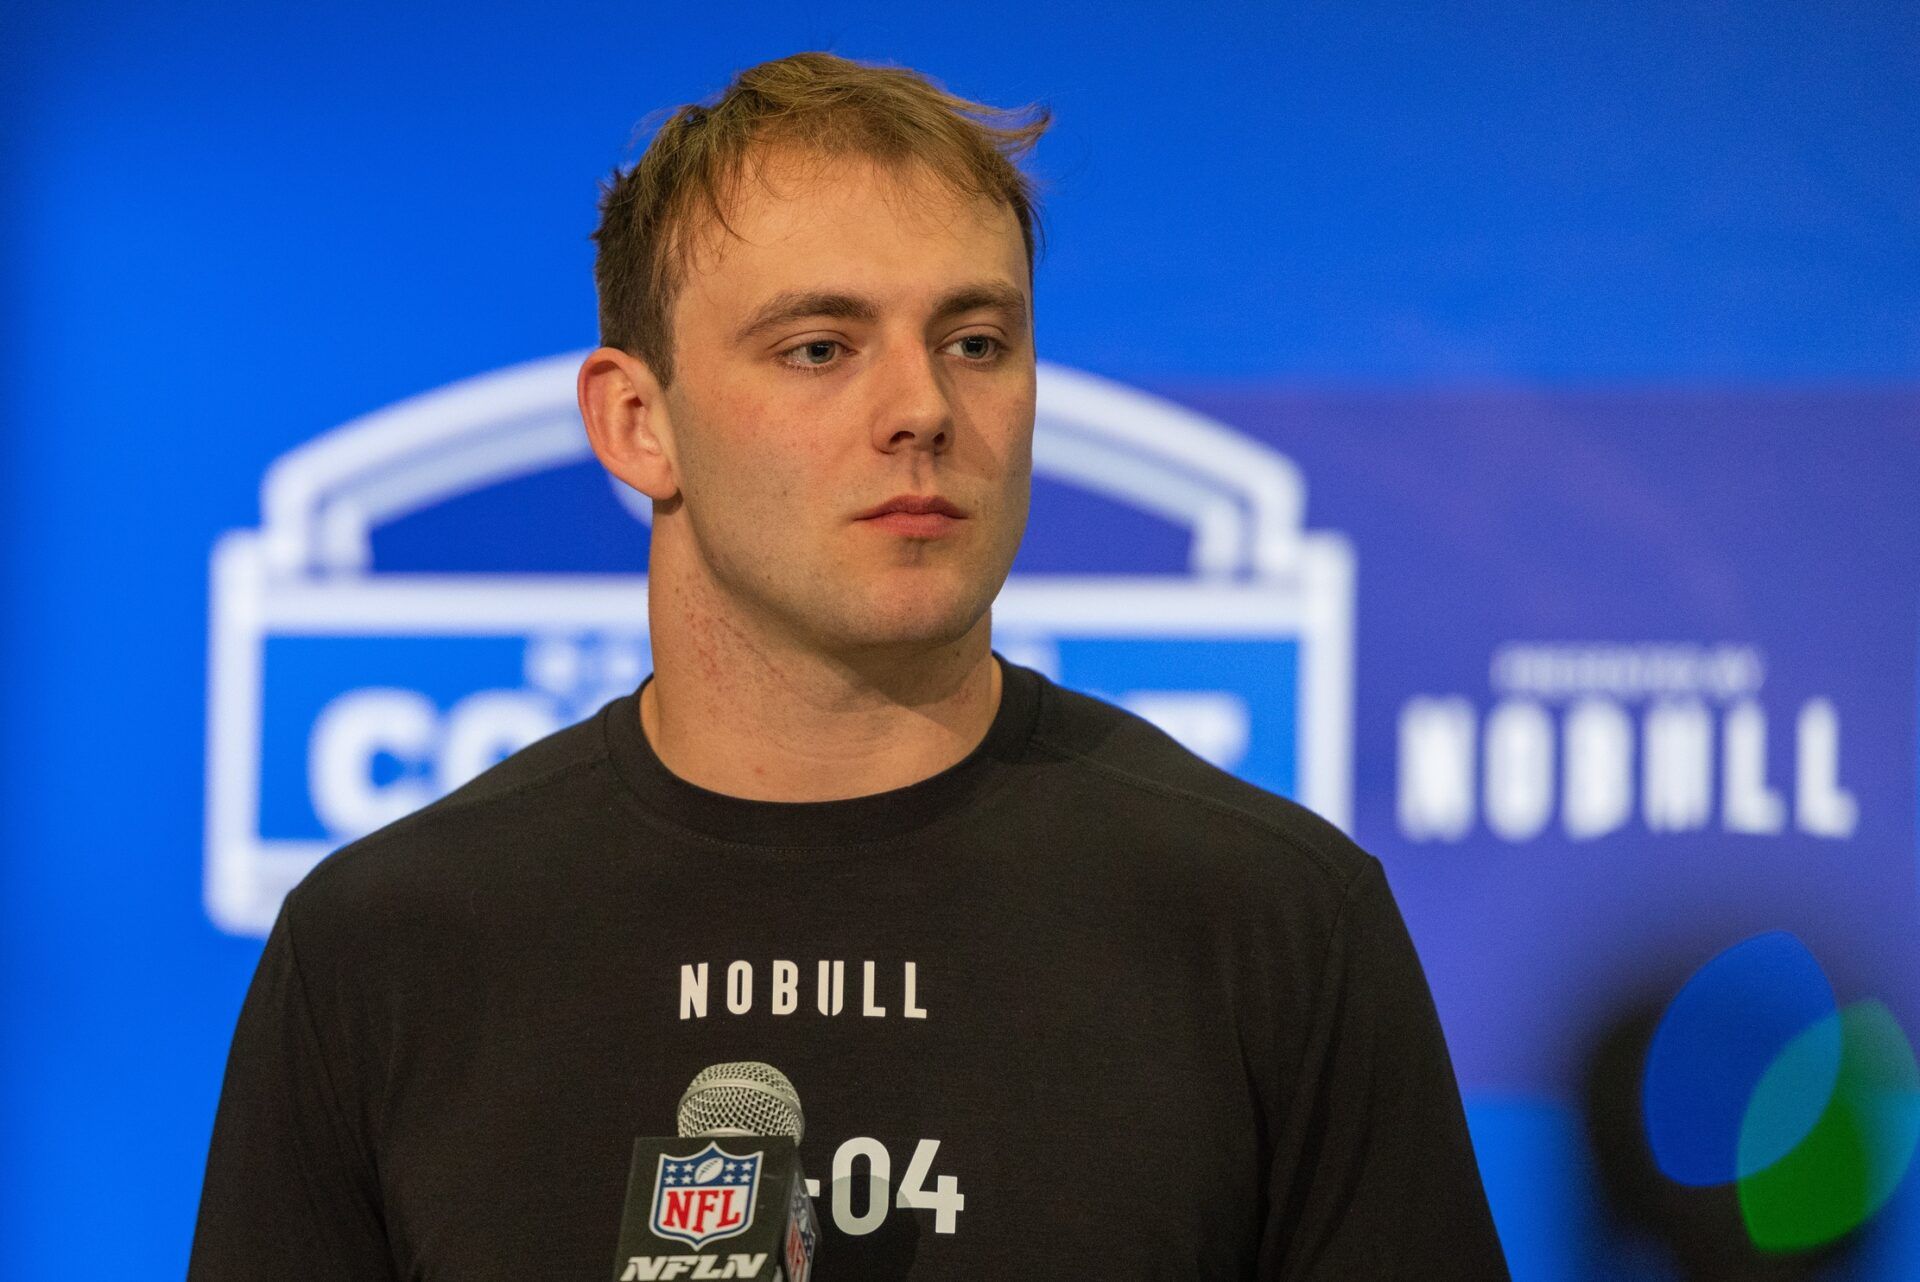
(1060, 999)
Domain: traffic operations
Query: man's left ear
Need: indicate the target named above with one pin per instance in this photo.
(625, 411)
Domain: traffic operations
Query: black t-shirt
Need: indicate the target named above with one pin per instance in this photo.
(1081, 1005)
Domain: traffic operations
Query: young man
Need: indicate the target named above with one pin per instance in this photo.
(1060, 1000)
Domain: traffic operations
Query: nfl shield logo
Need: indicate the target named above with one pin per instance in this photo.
(800, 1238)
(706, 1196)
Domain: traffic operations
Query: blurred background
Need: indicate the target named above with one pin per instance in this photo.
(1522, 402)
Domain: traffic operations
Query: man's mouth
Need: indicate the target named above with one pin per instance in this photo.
(916, 516)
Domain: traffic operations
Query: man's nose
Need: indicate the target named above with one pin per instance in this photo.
(913, 408)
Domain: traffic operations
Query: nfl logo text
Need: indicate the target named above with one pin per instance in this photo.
(706, 1196)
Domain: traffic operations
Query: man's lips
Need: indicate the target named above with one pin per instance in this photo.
(914, 504)
(920, 516)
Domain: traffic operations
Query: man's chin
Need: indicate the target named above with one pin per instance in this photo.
(913, 624)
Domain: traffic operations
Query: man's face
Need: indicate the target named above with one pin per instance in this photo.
(867, 335)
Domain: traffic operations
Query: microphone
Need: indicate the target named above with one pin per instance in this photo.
(733, 1207)
(740, 1099)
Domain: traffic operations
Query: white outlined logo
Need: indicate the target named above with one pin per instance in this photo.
(706, 1196)
(342, 696)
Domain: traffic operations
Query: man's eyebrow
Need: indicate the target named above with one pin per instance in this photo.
(995, 295)
(802, 304)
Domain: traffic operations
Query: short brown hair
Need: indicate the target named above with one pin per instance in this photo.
(821, 102)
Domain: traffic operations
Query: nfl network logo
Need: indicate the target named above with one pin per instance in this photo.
(414, 607)
(705, 1197)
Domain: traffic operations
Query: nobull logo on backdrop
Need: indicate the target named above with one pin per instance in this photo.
(440, 583)
(1601, 738)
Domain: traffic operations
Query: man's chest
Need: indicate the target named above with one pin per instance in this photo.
(979, 1106)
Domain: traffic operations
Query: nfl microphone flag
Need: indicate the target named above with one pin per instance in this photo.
(708, 1208)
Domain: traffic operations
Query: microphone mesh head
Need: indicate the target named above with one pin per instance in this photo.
(741, 1099)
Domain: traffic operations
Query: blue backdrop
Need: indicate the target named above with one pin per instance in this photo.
(1590, 342)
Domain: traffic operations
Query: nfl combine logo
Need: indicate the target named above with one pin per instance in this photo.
(705, 1197)
(450, 578)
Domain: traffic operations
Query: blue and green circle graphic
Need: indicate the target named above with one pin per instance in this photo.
(1759, 1078)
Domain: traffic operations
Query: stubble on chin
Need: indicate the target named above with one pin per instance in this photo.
(878, 616)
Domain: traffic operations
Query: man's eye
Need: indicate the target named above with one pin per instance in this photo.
(978, 347)
(814, 355)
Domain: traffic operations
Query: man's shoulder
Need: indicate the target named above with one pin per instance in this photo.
(523, 807)
(1156, 787)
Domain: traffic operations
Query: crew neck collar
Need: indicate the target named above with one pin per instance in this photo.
(877, 817)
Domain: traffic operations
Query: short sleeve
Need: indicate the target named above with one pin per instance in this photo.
(1373, 1174)
(291, 1189)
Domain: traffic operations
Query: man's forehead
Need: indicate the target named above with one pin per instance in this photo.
(787, 184)
(798, 221)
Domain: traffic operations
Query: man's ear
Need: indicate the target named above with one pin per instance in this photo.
(625, 411)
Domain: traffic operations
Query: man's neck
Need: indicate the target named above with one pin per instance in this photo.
(783, 724)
